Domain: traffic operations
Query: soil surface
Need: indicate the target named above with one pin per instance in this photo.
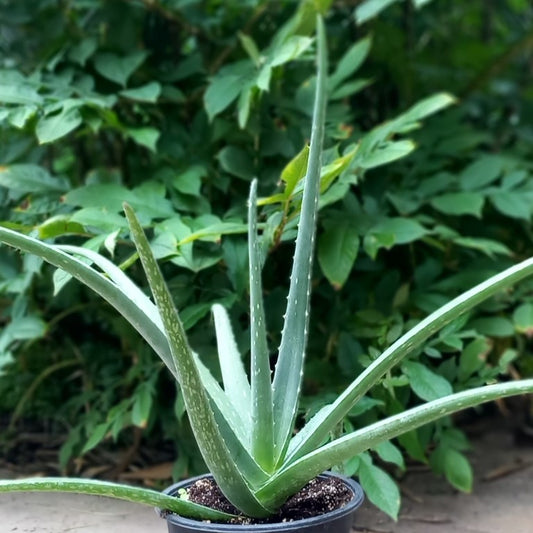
(319, 496)
(502, 501)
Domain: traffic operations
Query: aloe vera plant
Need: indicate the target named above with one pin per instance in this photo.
(245, 428)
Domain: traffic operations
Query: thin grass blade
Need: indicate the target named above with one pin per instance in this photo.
(316, 431)
(217, 456)
(291, 478)
(289, 367)
(261, 384)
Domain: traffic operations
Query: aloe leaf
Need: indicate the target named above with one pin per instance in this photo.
(232, 425)
(234, 375)
(262, 417)
(117, 289)
(319, 427)
(292, 477)
(117, 275)
(216, 454)
(120, 279)
(233, 429)
(144, 322)
(289, 367)
(225, 409)
(115, 490)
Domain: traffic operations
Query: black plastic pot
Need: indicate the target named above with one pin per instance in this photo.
(338, 521)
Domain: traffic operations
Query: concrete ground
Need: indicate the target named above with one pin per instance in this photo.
(502, 502)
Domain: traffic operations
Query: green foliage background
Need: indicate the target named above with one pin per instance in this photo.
(174, 106)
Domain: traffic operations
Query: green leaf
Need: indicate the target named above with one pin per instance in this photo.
(97, 435)
(190, 181)
(61, 277)
(425, 383)
(380, 488)
(372, 243)
(386, 153)
(289, 366)
(19, 116)
(237, 162)
(19, 93)
(514, 178)
(263, 78)
(146, 137)
(295, 170)
(149, 199)
(58, 225)
(332, 170)
(23, 328)
(368, 9)
(348, 89)
(487, 246)
(460, 203)
(82, 51)
(261, 387)
(243, 106)
(523, 319)
(146, 93)
(114, 490)
(390, 453)
(514, 204)
(234, 375)
(213, 232)
(391, 231)
(116, 288)
(222, 90)
(496, 326)
(232, 426)
(507, 357)
(337, 250)
(410, 442)
(107, 196)
(427, 106)
(350, 62)
(457, 470)
(481, 172)
(119, 68)
(473, 357)
(297, 472)
(95, 217)
(30, 178)
(52, 127)
(250, 47)
(291, 49)
(142, 404)
(206, 430)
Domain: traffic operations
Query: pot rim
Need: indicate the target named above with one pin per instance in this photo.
(351, 506)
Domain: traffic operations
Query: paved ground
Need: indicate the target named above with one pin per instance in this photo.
(503, 503)
(502, 500)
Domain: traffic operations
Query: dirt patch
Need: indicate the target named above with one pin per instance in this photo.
(319, 496)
